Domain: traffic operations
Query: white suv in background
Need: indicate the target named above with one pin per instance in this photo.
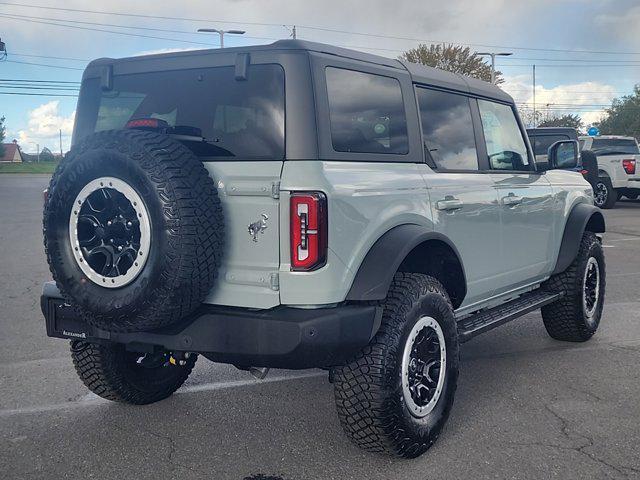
(617, 167)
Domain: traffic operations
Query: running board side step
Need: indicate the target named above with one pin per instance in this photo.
(485, 320)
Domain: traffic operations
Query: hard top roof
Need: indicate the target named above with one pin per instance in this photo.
(419, 73)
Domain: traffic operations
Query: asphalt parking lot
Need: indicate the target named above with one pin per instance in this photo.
(526, 407)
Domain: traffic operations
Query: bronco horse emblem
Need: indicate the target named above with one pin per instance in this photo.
(258, 227)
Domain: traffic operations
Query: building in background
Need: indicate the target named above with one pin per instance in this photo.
(12, 153)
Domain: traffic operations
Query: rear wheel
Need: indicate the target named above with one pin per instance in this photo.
(112, 372)
(604, 195)
(576, 316)
(396, 394)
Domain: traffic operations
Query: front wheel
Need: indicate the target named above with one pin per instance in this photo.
(395, 396)
(576, 316)
(604, 195)
(112, 372)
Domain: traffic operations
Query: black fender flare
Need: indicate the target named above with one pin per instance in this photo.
(580, 216)
(380, 264)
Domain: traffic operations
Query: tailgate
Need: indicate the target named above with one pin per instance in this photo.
(249, 194)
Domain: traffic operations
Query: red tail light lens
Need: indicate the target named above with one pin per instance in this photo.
(629, 166)
(147, 123)
(308, 230)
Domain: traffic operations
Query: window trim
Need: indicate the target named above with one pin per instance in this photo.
(427, 155)
(319, 61)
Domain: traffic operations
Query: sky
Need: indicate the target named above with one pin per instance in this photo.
(586, 52)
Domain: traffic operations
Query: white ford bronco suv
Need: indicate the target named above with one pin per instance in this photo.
(298, 205)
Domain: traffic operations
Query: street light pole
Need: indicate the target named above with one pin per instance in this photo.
(493, 56)
(221, 33)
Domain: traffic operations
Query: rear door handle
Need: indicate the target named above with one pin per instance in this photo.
(449, 204)
(511, 200)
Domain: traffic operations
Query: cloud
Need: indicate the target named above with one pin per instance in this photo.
(43, 128)
(587, 99)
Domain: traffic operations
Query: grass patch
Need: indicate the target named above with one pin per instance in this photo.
(24, 167)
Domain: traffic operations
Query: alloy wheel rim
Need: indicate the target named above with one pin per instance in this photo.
(591, 288)
(601, 194)
(110, 232)
(424, 367)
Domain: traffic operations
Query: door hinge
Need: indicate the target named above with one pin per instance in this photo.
(275, 189)
(275, 281)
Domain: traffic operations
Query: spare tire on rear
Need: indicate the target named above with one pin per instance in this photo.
(133, 230)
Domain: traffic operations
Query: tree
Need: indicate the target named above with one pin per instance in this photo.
(2, 133)
(453, 58)
(46, 155)
(623, 117)
(567, 120)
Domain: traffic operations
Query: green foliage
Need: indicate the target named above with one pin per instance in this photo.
(567, 120)
(623, 117)
(2, 134)
(453, 58)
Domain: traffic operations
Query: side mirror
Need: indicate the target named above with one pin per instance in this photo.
(563, 154)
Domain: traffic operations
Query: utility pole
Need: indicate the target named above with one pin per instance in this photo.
(493, 56)
(534, 96)
(221, 33)
(38, 148)
(61, 154)
(293, 33)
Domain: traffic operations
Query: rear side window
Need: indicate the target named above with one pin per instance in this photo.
(366, 112)
(614, 146)
(447, 129)
(238, 119)
(505, 144)
(541, 143)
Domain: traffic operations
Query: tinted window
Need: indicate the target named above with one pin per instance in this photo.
(505, 144)
(614, 146)
(366, 112)
(541, 143)
(447, 129)
(237, 118)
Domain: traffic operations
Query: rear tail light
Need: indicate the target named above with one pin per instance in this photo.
(629, 166)
(308, 230)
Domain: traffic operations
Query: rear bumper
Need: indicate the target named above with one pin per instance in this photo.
(281, 337)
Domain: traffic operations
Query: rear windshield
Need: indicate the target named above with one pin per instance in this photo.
(238, 119)
(541, 143)
(615, 146)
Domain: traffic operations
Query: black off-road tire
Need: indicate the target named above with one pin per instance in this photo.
(186, 230)
(566, 319)
(368, 389)
(112, 373)
(611, 193)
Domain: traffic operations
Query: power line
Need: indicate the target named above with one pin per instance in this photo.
(34, 81)
(136, 27)
(45, 65)
(311, 27)
(38, 94)
(13, 54)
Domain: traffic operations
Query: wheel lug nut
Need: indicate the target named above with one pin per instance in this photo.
(119, 248)
(109, 223)
(129, 224)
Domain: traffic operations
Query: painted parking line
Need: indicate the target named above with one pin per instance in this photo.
(91, 400)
